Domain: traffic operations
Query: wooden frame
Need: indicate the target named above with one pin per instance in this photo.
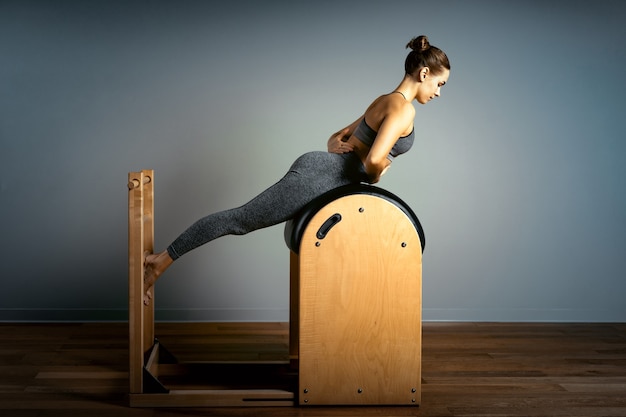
(355, 328)
(154, 372)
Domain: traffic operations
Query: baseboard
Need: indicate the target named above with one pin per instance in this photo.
(165, 315)
(62, 315)
(524, 315)
(282, 315)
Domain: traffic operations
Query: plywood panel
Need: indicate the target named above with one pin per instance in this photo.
(360, 306)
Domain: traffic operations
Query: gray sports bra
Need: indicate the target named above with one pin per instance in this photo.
(367, 135)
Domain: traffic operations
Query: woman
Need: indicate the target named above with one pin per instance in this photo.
(360, 152)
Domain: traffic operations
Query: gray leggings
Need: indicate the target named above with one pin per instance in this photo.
(310, 176)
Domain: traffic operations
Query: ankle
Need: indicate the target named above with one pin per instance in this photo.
(164, 260)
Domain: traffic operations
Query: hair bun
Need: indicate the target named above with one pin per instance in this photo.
(419, 44)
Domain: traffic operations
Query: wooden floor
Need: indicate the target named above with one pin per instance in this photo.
(469, 369)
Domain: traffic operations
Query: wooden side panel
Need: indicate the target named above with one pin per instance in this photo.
(135, 280)
(294, 307)
(140, 240)
(360, 306)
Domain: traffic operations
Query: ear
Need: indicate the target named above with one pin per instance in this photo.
(424, 73)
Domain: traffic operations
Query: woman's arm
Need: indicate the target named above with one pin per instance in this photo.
(393, 126)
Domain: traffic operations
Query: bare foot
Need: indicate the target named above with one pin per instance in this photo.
(154, 266)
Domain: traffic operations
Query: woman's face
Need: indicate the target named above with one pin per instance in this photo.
(431, 84)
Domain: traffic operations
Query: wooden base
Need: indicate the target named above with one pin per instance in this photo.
(214, 384)
(168, 383)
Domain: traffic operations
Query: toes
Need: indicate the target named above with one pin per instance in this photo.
(147, 297)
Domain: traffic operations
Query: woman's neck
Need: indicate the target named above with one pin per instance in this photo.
(408, 88)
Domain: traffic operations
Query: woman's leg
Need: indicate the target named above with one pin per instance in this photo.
(310, 176)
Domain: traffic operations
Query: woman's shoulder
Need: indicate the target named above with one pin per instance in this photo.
(389, 105)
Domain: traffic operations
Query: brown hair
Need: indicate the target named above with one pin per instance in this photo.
(423, 54)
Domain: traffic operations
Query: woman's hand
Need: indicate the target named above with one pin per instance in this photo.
(337, 143)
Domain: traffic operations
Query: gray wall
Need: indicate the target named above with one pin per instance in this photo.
(517, 175)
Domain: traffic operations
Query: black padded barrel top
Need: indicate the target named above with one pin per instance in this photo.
(294, 228)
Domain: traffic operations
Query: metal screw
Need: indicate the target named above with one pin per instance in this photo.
(318, 244)
(404, 244)
(413, 390)
(360, 390)
(412, 400)
(361, 209)
(306, 391)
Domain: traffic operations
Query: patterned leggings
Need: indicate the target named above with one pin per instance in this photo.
(310, 176)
